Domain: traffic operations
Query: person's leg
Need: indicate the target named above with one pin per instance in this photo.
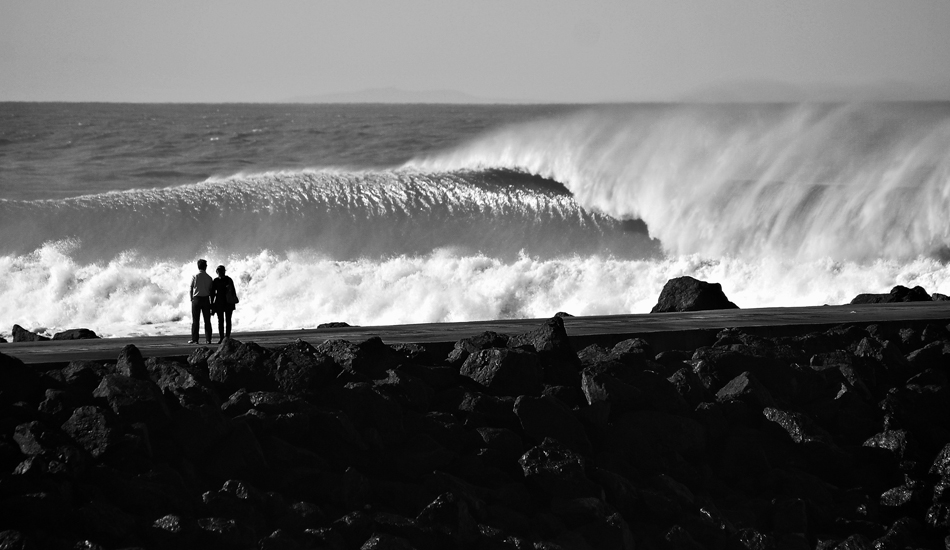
(220, 315)
(195, 315)
(227, 316)
(207, 313)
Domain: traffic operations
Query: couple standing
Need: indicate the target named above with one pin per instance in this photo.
(209, 294)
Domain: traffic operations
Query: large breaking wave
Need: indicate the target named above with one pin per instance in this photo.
(339, 215)
(851, 182)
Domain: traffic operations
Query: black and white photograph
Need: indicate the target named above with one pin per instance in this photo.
(496, 275)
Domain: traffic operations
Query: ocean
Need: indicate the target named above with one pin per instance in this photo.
(393, 214)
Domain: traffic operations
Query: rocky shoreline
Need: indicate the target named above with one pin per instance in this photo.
(833, 439)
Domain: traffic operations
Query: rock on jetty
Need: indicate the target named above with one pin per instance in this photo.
(832, 440)
(689, 294)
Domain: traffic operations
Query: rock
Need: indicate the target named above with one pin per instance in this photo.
(465, 347)
(48, 451)
(411, 392)
(333, 324)
(558, 471)
(59, 404)
(370, 358)
(690, 387)
(131, 363)
(746, 388)
(84, 376)
(799, 426)
(225, 533)
(451, 515)
(505, 372)
(903, 533)
(238, 365)
(556, 354)
(931, 355)
(897, 294)
(601, 387)
(15, 540)
(302, 370)
(36, 438)
(941, 464)
(198, 358)
(275, 403)
(18, 382)
(185, 384)
(133, 400)
(689, 294)
(20, 334)
(76, 334)
(385, 541)
(632, 352)
(900, 443)
(370, 408)
(93, 429)
(482, 410)
(545, 417)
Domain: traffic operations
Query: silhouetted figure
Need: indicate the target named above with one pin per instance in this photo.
(223, 299)
(200, 293)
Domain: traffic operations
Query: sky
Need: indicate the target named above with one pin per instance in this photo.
(506, 50)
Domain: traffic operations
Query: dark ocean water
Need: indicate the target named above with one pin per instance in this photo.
(374, 214)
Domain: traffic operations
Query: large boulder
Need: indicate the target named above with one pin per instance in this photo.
(76, 334)
(93, 428)
(897, 294)
(557, 356)
(510, 372)
(20, 334)
(467, 346)
(238, 365)
(130, 362)
(689, 294)
(134, 400)
(182, 382)
(370, 358)
(300, 369)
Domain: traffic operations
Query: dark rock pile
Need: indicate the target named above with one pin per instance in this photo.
(837, 439)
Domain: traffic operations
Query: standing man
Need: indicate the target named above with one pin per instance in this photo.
(201, 302)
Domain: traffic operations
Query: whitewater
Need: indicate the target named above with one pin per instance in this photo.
(375, 215)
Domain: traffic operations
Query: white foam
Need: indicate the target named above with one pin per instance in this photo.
(131, 296)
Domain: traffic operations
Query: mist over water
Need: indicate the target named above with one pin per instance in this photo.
(587, 210)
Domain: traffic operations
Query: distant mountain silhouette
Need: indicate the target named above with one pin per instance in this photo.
(396, 95)
(774, 90)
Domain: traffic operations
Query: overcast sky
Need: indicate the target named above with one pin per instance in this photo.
(526, 50)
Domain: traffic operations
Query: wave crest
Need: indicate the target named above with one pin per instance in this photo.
(851, 182)
(342, 215)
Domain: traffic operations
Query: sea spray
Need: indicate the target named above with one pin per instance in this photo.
(852, 182)
(128, 296)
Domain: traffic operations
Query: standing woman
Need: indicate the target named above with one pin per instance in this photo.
(223, 299)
